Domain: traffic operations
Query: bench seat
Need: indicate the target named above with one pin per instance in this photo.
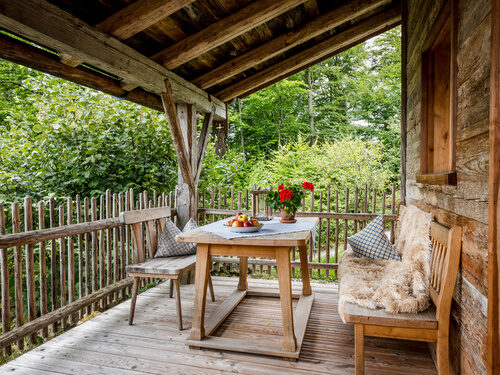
(166, 266)
(357, 314)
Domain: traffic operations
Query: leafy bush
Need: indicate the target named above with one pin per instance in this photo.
(58, 138)
(343, 163)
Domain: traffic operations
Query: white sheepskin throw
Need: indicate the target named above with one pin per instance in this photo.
(397, 286)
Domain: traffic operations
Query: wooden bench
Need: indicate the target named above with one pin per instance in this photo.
(147, 265)
(431, 325)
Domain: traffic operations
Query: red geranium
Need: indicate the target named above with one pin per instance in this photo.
(281, 187)
(308, 186)
(285, 194)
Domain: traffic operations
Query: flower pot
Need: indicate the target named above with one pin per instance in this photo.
(287, 218)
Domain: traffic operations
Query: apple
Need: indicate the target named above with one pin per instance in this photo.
(242, 218)
(247, 224)
(230, 222)
(236, 224)
(238, 215)
(255, 222)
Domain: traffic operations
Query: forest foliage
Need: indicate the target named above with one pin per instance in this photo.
(337, 122)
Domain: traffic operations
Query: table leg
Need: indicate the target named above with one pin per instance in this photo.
(243, 285)
(285, 283)
(200, 292)
(304, 271)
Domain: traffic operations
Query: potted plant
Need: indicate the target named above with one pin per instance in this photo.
(287, 199)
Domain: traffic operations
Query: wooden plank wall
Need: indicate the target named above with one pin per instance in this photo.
(467, 203)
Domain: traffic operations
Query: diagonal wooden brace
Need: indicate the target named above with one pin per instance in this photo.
(177, 138)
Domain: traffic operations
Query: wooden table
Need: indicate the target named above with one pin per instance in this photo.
(271, 246)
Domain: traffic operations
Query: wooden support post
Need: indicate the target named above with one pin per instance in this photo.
(186, 192)
(190, 151)
(404, 95)
(494, 192)
(182, 138)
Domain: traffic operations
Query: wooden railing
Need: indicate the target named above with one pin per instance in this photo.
(63, 259)
(66, 261)
(341, 213)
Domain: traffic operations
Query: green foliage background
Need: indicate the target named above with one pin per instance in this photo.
(60, 139)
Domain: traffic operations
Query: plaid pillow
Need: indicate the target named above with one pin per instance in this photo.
(169, 247)
(372, 242)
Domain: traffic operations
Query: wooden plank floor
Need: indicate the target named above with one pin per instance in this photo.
(153, 345)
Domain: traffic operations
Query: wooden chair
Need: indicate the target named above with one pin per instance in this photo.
(170, 268)
(431, 325)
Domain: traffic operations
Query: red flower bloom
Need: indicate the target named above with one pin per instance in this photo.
(285, 194)
(281, 187)
(308, 186)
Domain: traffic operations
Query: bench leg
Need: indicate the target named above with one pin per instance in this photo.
(443, 352)
(170, 288)
(359, 348)
(211, 287)
(135, 289)
(178, 303)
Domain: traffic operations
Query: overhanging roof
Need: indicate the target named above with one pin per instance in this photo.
(211, 51)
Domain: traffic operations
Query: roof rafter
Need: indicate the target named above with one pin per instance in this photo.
(319, 52)
(139, 16)
(287, 41)
(223, 31)
(54, 28)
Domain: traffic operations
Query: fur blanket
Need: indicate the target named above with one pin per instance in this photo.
(397, 286)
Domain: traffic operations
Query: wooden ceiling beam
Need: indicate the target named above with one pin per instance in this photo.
(223, 31)
(317, 26)
(355, 33)
(139, 16)
(300, 68)
(49, 26)
(311, 7)
(22, 53)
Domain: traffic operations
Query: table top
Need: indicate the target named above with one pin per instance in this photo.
(285, 239)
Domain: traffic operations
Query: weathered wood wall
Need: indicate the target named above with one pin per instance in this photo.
(467, 203)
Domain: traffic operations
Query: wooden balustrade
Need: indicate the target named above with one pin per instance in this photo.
(341, 213)
(67, 270)
(54, 274)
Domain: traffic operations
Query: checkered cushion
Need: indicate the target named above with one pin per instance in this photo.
(372, 242)
(169, 247)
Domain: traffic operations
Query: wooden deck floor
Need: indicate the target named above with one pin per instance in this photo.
(153, 345)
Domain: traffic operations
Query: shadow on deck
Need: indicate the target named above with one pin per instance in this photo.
(153, 345)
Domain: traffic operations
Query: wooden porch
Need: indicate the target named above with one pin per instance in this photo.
(106, 344)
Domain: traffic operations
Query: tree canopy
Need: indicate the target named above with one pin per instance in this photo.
(333, 121)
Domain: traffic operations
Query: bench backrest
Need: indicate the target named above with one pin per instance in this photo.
(154, 219)
(445, 260)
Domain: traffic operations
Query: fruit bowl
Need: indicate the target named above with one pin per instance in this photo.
(245, 229)
(243, 224)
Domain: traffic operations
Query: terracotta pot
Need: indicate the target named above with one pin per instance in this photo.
(287, 218)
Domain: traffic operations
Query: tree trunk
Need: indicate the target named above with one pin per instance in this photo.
(310, 104)
(279, 125)
(242, 133)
